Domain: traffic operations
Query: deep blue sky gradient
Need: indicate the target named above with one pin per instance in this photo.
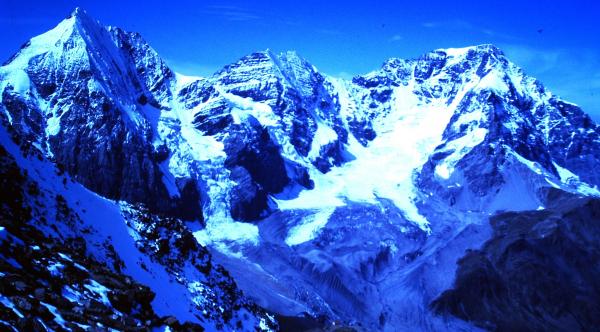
(555, 41)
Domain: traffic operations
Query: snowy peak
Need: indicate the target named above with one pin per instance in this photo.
(496, 124)
(157, 80)
(504, 137)
(79, 13)
(476, 94)
(471, 51)
(296, 93)
(121, 63)
(77, 43)
(83, 20)
(298, 72)
(287, 70)
(78, 22)
(80, 86)
(446, 66)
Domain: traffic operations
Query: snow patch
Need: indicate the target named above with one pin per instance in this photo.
(309, 228)
(70, 294)
(443, 171)
(459, 147)
(57, 316)
(571, 179)
(18, 79)
(99, 291)
(55, 269)
(245, 107)
(535, 167)
(457, 52)
(226, 230)
(8, 303)
(53, 125)
(323, 136)
(494, 80)
(182, 81)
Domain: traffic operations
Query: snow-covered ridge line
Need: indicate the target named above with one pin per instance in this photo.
(494, 73)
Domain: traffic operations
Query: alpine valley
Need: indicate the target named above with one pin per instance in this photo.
(451, 192)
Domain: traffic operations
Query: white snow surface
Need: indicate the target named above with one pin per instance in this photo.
(386, 167)
(99, 291)
(323, 136)
(570, 178)
(460, 147)
(309, 228)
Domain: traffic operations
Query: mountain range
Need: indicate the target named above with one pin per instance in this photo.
(448, 192)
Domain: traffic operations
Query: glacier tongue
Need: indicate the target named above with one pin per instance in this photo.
(384, 168)
(406, 136)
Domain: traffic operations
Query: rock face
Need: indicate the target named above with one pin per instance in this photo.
(94, 91)
(512, 116)
(68, 265)
(298, 95)
(350, 201)
(49, 284)
(537, 272)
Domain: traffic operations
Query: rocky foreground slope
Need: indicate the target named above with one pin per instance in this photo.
(423, 195)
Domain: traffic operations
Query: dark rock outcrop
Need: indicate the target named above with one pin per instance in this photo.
(539, 271)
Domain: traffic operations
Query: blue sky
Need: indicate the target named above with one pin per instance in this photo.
(557, 42)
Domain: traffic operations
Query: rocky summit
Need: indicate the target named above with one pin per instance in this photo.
(448, 192)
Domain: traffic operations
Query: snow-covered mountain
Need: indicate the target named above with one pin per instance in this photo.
(77, 110)
(348, 200)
